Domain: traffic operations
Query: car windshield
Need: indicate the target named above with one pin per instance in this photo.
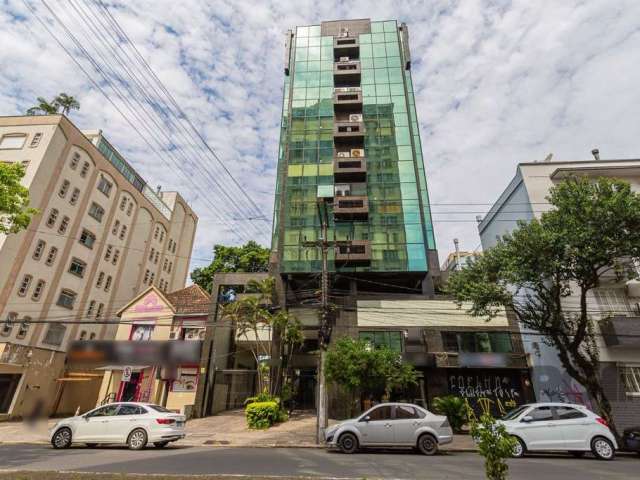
(159, 408)
(515, 412)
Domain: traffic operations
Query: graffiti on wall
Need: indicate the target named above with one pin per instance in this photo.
(493, 393)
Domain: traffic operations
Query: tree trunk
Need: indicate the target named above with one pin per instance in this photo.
(603, 405)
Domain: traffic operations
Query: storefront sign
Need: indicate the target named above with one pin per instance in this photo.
(126, 374)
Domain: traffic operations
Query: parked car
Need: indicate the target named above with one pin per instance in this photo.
(631, 438)
(391, 425)
(133, 424)
(560, 426)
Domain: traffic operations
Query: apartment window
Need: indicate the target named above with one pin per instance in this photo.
(123, 203)
(64, 188)
(85, 169)
(13, 141)
(24, 327)
(477, 342)
(170, 267)
(55, 334)
(96, 211)
(161, 236)
(146, 277)
(75, 158)
(105, 186)
(64, 224)
(87, 238)
(170, 244)
(77, 267)
(114, 230)
(35, 141)
(156, 233)
(37, 291)
(92, 336)
(152, 254)
(7, 326)
(123, 232)
(24, 285)
(161, 284)
(107, 284)
(100, 280)
(116, 255)
(378, 339)
(91, 308)
(165, 265)
(51, 257)
(83, 335)
(74, 196)
(66, 299)
(173, 250)
(631, 380)
(157, 257)
(108, 252)
(153, 275)
(612, 301)
(37, 252)
(99, 311)
(129, 209)
(53, 216)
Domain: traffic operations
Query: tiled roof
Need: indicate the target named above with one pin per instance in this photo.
(190, 300)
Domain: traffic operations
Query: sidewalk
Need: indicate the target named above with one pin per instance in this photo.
(228, 429)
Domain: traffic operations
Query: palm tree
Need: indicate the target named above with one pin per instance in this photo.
(43, 108)
(67, 103)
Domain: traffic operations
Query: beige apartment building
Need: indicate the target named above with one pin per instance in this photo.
(101, 236)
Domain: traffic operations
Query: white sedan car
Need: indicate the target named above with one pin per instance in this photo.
(133, 424)
(560, 426)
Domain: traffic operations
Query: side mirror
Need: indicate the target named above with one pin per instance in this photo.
(86, 418)
(527, 419)
(367, 418)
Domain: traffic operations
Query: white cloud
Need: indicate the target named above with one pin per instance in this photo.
(497, 82)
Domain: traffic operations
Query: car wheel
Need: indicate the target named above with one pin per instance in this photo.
(348, 443)
(577, 453)
(427, 444)
(91, 445)
(520, 448)
(137, 439)
(602, 448)
(62, 438)
(160, 444)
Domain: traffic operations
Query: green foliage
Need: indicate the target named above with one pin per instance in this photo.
(494, 444)
(250, 257)
(15, 213)
(593, 228)
(62, 101)
(261, 415)
(453, 408)
(356, 366)
(261, 397)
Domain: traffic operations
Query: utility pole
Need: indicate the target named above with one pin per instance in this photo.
(326, 317)
(457, 246)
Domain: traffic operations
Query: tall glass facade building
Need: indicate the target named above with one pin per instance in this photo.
(350, 137)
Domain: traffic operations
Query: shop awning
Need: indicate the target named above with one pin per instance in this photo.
(73, 379)
(119, 368)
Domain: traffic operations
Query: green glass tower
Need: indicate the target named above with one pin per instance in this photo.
(350, 138)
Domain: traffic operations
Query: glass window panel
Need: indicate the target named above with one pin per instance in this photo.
(400, 120)
(367, 77)
(381, 75)
(313, 92)
(327, 42)
(377, 38)
(397, 89)
(390, 26)
(394, 62)
(366, 63)
(383, 100)
(313, 53)
(402, 136)
(326, 92)
(295, 170)
(310, 170)
(301, 42)
(303, 31)
(301, 54)
(298, 93)
(409, 191)
(417, 257)
(368, 90)
(391, 37)
(399, 104)
(325, 169)
(364, 38)
(414, 233)
(377, 27)
(326, 79)
(325, 190)
(314, 31)
(379, 50)
(501, 342)
(395, 74)
(366, 51)
(314, 41)
(380, 62)
(313, 66)
(327, 66)
(406, 171)
(326, 53)
(393, 50)
(405, 153)
(382, 90)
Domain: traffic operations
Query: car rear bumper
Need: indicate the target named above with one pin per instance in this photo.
(444, 439)
(167, 434)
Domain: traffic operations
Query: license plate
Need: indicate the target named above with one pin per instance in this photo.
(179, 424)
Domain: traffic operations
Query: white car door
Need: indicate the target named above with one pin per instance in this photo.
(539, 431)
(575, 427)
(376, 427)
(127, 418)
(407, 420)
(94, 426)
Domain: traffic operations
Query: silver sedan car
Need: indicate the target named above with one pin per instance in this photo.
(391, 425)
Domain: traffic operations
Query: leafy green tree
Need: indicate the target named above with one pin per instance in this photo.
(593, 228)
(360, 369)
(453, 408)
(66, 103)
(494, 444)
(250, 257)
(43, 108)
(15, 213)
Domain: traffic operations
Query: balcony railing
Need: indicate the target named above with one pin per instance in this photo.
(351, 208)
(346, 129)
(347, 98)
(358, 252)
(346, 47)
(621, 331)
(349, 169)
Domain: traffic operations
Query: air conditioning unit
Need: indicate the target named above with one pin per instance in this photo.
(342, 90)
(344, 32)
(357, 152)
(344, 59)
(355, 117)
(342, 154)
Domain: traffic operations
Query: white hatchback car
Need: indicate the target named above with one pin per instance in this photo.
(129, 423)
(560, 426)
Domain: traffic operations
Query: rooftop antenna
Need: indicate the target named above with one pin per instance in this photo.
(548, 158)
(596, 153)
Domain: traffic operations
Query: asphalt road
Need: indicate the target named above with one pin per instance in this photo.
(305, 462)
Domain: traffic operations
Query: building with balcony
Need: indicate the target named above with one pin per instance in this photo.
(615, 305)
(102, 235)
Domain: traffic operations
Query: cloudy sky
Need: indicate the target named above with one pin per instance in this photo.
(497, 83)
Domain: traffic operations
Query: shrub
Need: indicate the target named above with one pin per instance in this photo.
(261, 397)
(261, 415)
(453, 408)
(494, 444)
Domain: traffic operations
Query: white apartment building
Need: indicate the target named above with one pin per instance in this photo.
(101, 236)
(615, 304)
